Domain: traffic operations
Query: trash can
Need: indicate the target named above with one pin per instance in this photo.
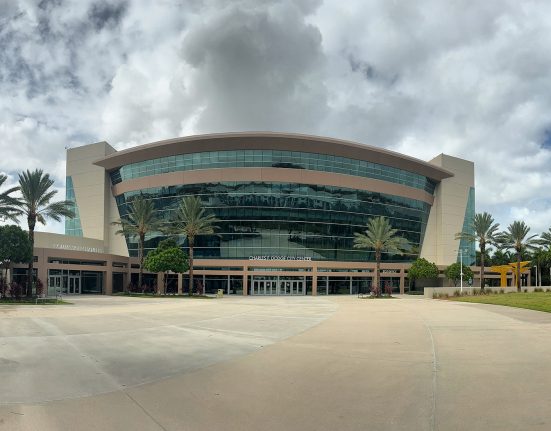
(220, 293)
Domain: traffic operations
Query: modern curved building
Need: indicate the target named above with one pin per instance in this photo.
(288, 204)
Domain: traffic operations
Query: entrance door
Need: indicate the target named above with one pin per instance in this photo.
(74, 285)
(297, 287)
(54, 283)
(271, 287)
(258, 287)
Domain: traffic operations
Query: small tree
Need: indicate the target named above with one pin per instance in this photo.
(453, 272)
(167, 257)
(422, 268)
(15, 247)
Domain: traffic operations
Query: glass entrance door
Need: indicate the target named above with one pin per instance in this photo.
(291, 287)
(258, 287)
(54, 284)
(74, 285)
(277, 286)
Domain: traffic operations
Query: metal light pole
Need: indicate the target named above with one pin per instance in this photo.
(461, 263)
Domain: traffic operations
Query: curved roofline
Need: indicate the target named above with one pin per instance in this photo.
(271, 140)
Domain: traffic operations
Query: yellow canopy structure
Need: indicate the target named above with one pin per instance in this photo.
(503, 270)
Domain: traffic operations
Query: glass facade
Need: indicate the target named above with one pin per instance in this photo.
(286, 219)
(72, 226)
(272, 158)
(468, 247)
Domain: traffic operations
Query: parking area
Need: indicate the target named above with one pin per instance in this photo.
(297, 363)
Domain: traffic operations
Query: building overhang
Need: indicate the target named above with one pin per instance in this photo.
(272, 141)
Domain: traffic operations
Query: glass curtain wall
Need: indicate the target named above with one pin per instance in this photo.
(285, 219)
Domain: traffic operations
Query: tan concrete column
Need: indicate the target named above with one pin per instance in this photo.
(108, 282)
(314, 281)
(245, 282)
(180, 283)
(402, 281)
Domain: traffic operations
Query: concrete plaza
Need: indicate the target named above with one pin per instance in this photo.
(300, 363)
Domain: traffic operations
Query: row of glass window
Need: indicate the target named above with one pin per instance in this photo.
(271, 158)
(320, 233)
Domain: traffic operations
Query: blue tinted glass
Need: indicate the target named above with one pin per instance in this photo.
(286, 219)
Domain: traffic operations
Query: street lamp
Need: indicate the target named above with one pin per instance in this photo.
(461, 263)
(460, 250)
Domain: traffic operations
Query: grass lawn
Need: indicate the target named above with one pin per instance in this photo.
(540, 301)
(25, 301)
(149, 295)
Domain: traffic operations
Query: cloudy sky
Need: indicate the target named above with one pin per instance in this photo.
(467, 78)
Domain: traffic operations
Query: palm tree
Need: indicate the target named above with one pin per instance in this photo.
(545, 239)
(140, 220)
(484, 230)
(35, 204)
(192, 220)
(516, 238)
(8, 204)
(541, 258)
(381, 237)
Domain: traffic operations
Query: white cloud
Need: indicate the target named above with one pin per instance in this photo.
(467, 79)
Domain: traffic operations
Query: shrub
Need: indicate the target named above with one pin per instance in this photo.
(538, 289)
(3, 288)
(548, 290)
(39, 287)
(15, 290)
(456, 292)
(525, 290)
(476, 292)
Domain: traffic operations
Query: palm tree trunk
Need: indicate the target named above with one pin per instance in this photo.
(482, 252)
(539, 276)
(190, 268)
(31, 222)
(377, 272)
(518, 271)
(140, 257)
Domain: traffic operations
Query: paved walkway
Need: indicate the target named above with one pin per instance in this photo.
(337, 363)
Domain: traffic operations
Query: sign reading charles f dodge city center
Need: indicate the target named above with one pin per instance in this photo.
(281, 258)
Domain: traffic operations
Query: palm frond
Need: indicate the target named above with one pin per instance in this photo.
(381, 237)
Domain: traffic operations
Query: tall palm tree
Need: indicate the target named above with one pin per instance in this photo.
(381, 237)
(484, 231)
(545, 239)
(8, 204)
(140, 220)
(35, 204)
(192, 220)
(541, 258)
(516, 238)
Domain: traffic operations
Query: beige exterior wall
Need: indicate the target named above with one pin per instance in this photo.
(98, 209)
(96, 204)
(448, 210)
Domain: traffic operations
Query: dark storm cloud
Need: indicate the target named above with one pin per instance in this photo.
(106, 14)
(259, 69)
(467, 78)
